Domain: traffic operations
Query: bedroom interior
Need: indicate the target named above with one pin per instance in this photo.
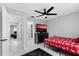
(39, 29)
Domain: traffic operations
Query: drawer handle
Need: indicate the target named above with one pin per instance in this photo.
(3, 40)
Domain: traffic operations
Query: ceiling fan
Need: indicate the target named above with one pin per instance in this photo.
(46, 12)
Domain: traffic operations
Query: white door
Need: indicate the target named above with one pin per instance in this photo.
(21, 34)
(0, 34)
(5, 32)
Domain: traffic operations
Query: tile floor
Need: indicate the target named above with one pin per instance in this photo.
(51, 51)
(47, 48)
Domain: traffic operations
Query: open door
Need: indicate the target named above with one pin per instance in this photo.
(5, 32)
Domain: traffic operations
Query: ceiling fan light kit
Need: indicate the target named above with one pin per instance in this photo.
(45, 13)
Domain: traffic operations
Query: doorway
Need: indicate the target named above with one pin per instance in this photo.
(16, 38)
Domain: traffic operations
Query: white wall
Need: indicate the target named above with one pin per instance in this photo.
(0, 33)
(5, 32)
(31, 21)
(0, 24)
(67, 26)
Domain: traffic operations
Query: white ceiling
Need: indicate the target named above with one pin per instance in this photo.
(60, 8)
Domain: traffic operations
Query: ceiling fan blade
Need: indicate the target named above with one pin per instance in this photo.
(49, 9)
(52, 14)
(39, 15)
(38, 11)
